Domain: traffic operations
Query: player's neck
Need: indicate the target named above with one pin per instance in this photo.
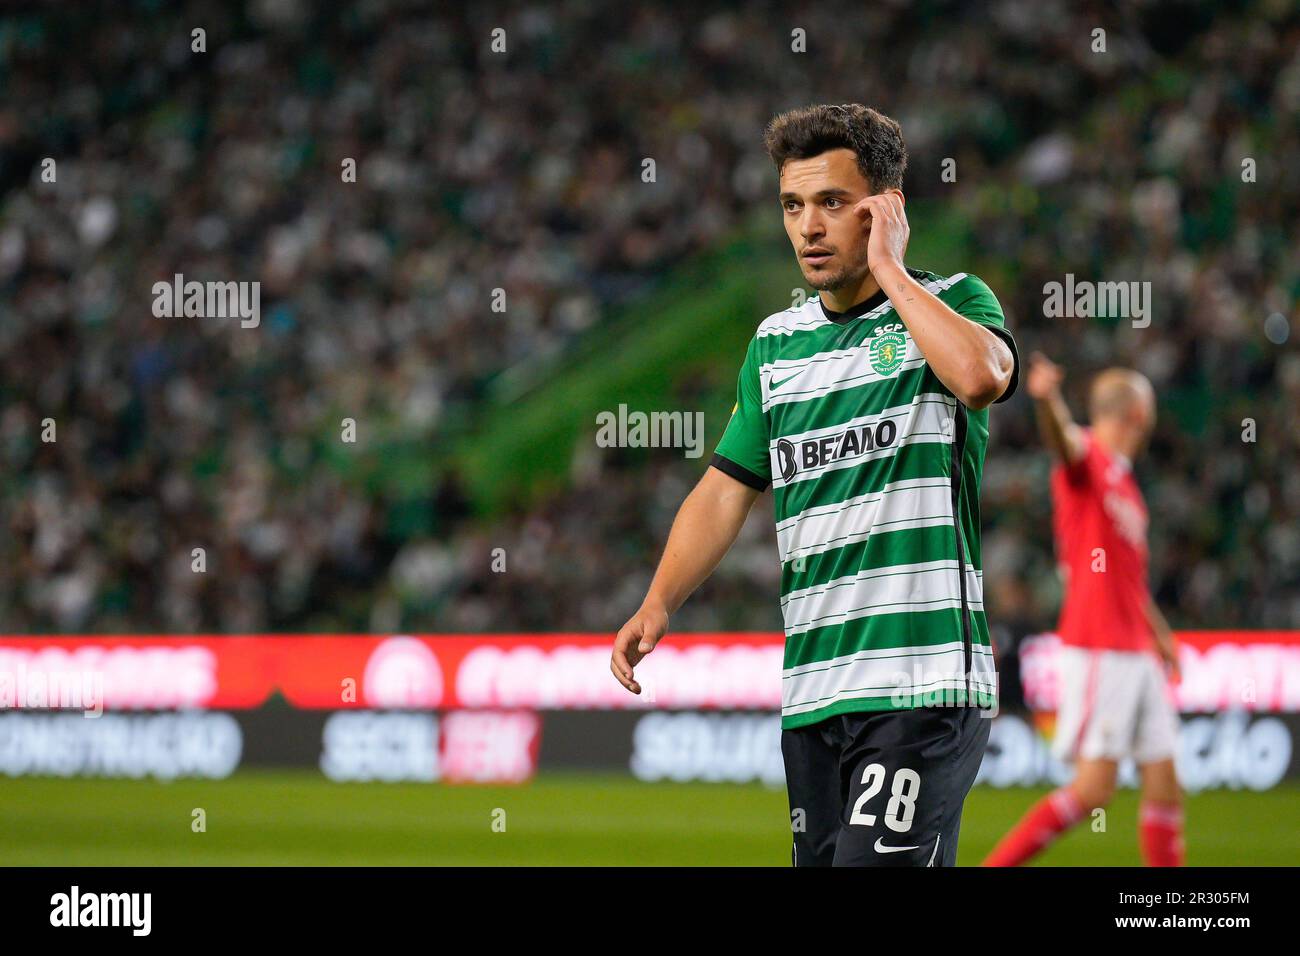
(1116, 438)
(846, 297)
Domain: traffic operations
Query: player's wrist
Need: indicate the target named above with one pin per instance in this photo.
(655, 605)
(889, 274)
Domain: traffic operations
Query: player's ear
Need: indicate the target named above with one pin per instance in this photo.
(899, 194)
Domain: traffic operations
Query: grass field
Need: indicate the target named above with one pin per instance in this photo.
(258, 818)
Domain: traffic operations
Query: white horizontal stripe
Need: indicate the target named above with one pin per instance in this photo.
(819, 375)
(926, 586)
(906, 692)
(923, 669)
(912, 503)
(803, 319)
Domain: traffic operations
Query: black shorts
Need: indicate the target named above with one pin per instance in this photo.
(882, 788)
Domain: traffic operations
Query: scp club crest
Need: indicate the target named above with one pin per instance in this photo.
(886, 352)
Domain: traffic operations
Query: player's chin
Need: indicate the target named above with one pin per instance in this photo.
(821, 279)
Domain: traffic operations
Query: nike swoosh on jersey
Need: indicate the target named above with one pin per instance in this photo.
(773, 386)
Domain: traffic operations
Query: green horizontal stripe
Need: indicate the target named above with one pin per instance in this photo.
(881, 631)
(882, 550)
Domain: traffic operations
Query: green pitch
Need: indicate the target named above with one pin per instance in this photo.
(299, 818)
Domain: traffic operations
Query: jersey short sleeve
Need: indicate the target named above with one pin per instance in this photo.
(742, 451)
(978, 303)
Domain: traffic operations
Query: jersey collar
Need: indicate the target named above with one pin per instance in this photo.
(862, 308)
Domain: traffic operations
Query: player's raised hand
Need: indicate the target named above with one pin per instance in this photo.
(1044, 378)
(886, 224)
(634, 641)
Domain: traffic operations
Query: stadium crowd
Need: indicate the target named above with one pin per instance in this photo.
(521, 171)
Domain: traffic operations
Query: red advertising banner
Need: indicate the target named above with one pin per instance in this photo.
(1250, 670)
(139, 673)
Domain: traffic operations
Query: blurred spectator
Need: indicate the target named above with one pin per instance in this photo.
(521, 171)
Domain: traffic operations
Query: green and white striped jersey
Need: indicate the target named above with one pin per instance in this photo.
(875, 468)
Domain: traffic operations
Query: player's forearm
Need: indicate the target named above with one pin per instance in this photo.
(1164, 634)
(706, 525)
(974, 363)
(1056, 425)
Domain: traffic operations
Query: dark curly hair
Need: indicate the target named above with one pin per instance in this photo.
(812, 130)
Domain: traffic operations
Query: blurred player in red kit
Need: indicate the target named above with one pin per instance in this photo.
(1115, 701)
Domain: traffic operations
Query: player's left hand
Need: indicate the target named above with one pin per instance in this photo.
(887, 230)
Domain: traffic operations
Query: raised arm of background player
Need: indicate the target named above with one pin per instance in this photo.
(705, 528)
(1064, 439)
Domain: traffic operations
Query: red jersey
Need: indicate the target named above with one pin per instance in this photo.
(1100, 520)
